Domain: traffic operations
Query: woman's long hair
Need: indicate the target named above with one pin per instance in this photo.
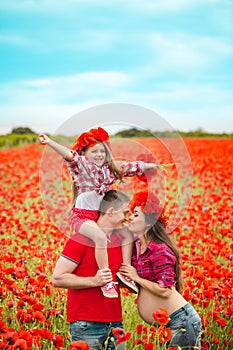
(158, 234)
(112, 166)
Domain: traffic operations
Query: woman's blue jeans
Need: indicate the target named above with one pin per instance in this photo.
(98, 335)
(185, 325)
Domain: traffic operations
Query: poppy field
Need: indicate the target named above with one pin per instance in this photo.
(200, 208)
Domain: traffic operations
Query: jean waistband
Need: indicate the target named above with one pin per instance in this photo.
(185, 308)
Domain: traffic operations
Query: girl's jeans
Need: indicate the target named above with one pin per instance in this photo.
(185, 325)
(98, 335)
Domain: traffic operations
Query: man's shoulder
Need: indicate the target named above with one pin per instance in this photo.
(78, 239)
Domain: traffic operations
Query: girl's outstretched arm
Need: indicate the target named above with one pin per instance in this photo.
(151, 166)
(62, 150)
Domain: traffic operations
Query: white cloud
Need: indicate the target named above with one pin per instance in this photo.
(186, 107)
(65, 88)
(186, 51)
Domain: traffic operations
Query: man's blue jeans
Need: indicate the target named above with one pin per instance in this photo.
(186, 318)
(98, 335)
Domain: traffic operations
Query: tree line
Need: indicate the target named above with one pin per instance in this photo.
(24, 135)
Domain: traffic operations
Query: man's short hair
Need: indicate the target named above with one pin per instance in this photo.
(113, 198)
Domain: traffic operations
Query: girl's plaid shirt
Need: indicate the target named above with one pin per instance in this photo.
(88, 177)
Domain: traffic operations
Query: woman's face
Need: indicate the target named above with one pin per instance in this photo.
(96, 154)
(137, 223)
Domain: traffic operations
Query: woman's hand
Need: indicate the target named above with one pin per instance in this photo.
(129, 271)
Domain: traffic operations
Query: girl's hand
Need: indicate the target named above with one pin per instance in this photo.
(129, 271)
(44, 139)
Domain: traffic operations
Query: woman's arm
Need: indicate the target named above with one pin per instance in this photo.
(62, 150)
(63, 276)
(153, 287)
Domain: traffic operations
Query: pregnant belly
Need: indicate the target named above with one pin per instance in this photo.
(149, 303)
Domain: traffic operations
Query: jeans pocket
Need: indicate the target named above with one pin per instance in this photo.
(178, 322)
(78, 327)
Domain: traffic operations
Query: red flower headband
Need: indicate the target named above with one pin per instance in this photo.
(149, 204)
(90, 138)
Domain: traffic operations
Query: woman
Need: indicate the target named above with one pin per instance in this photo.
(156, 270)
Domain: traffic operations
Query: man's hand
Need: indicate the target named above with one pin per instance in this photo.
(102, 277)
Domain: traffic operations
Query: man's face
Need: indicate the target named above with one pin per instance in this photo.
(120, 216)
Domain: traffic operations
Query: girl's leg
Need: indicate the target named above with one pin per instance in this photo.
(126, 245)
(127, 249)
(92, 231)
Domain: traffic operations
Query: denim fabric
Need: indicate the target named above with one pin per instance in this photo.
(185, 318)
(98, 335)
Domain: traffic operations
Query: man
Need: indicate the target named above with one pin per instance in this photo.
(91, 315)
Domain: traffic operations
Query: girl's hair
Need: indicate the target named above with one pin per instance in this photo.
(158, 234)
(111, 163)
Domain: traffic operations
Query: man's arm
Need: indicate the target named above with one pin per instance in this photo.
(63, 276)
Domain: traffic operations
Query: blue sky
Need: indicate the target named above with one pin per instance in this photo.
(173, 57)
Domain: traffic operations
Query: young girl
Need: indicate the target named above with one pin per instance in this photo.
(93, 172)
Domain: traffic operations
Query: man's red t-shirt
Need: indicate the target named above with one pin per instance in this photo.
(90, 304)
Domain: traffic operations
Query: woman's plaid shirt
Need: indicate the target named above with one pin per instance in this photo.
(156, 264)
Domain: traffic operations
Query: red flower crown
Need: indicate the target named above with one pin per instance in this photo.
(149, 204)
(91, 138)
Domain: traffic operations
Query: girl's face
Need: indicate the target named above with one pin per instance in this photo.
(137, 223)
(96, 154)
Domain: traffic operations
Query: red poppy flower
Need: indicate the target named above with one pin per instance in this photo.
(11, 337)
(79, 345)
(121, 335)
(58, 340)
(164, 334)
(139, 328)
(149, 347)
(20, 344)
(37, 315)
(152, 329)
(222, 322)
(138, 341)
(3, 327)
(161, 316)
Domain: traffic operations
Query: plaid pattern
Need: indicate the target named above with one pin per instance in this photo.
(88, 177)
(156, 264)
